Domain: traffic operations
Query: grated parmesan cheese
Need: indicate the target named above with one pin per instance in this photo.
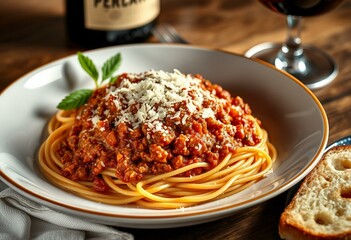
(154, 96)
(207, 112)
(95, 119)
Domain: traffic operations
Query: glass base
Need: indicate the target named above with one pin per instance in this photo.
(323, 68)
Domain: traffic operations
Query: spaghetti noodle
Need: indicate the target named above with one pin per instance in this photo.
(191, 144)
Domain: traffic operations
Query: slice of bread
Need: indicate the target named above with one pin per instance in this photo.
(321, 208)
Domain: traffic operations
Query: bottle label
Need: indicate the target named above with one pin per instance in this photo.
(119, 14)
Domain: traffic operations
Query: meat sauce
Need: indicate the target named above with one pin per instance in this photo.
(125, 127)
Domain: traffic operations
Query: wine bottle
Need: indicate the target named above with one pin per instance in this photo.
(97, 23)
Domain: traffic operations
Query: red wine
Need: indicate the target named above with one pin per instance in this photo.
(97, 23)
(301, 7)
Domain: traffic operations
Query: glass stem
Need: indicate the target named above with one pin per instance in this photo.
(291, 58)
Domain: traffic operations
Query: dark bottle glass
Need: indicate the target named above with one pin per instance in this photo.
(98, 23)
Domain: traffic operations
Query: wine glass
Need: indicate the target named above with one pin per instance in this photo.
(310, 65)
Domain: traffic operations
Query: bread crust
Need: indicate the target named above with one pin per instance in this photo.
(331, 175)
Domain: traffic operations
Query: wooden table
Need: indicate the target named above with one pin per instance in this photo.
(32, 33)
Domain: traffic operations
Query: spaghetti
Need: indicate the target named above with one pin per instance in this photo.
(191, 144)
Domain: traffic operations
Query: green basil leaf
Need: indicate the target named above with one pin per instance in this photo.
(113, 79)
(111, 66)
(89, 66)
(75, 99)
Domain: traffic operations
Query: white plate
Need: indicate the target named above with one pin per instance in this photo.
(296, 122)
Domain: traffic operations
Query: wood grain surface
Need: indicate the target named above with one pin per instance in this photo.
(32, 33)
